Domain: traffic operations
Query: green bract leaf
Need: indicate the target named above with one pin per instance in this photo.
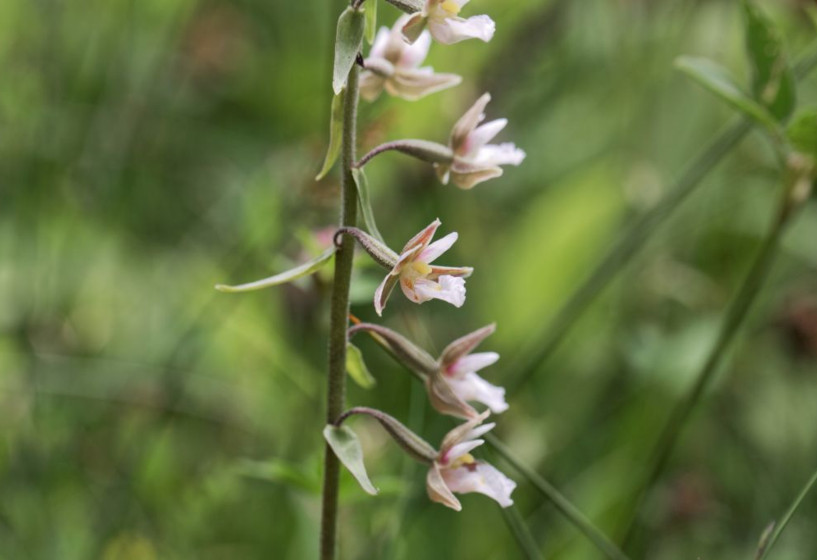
(802, 132)
(347, 45)
(408, 6)
(356, 367)
(335, 135)
(346, 446)
(772, 78)
(365, 202)
(371, 20)
(305, 269)
(716, 79)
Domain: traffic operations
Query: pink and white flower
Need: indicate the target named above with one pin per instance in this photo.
(456, 470)
(445, 25)
(394, 65)
(455, 383)
(421, 281)
(475, 160)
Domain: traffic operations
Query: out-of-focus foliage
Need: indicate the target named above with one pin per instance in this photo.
(151, 149)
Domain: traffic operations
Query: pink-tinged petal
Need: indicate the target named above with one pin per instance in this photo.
(452, 30)
(468, 122)
(464, 345)
(412, 85)
(445, 401)
(433, 251)
(480, 430)
(458, 271)
(472, 388)
(470, 180)
(381, 42)
(438, 491)
(414, 55)
(480, 136)
(410, 292)
(500, 154)
(423, 238)
(381, 295)
(472, 363)
(370, 85)
(461, 432)
(459, 450)
(406, 257)
(413, 28)
(480, 477)
(448, 288)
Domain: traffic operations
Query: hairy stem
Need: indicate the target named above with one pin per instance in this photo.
(336, 378)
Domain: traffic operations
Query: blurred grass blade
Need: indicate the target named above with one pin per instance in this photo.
(281, 472)
(356, 367)
(371, 20)
(347, 45)
(786, 518)
(346, 446)
(365, 202)
(305, 269)
(717, 80)
(802, 132)
(335, 135)
(772, 78)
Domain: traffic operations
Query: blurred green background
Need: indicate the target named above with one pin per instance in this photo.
(151, 149)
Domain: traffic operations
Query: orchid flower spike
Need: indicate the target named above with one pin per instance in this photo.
(455, 470)
(455, 382)
(394, 65)
(445, 25)
(421, 281)
(474, 159)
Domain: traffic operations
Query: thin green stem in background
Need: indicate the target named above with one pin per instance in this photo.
(524, 539)
(558, 500)
(339, 313)
(544, 342)
(779, 527)
(735, 315)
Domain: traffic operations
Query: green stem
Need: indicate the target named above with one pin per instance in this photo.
(336, 379)
(767, 546)
(524, 539)
(734, 318)
(558, 500)
(546, 341)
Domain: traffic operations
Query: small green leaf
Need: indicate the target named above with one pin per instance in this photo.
(802, 132)
(335, 135)
(347, 45)
(371, 20)
(305, 269)
(716, 79)
(772, 78)
(346, 446)
(356, 367)
(365, 202)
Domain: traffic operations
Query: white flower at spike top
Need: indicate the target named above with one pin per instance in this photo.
(475, 160)
(443, 21)
(455, 470)
(421, 281)
(456, 382)
(394, 65)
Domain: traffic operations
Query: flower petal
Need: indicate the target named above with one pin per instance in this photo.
(370, 85)
(381, 42)
(500, 154)
(472, 388)
(438, 491)
(445, 400)
(433, 251)
(414, 55)
(448, 288)
(459, 271)
(480, 477)
(469, 121)
(381, 295)
(471, 363)
(452, 30)
(470, 180)
(480, 136)
(422, 239)
(412, 85)
(464, 344)
(459, 450)
(413, 28)
(461, 432)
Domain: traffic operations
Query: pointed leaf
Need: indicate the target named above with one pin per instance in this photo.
(305, 269)
(346, 446)
(408, 6)
(371, 20)
(717, 80)
(365, 202)
(802, 132)
(356, 367)
(347, 45)
(335, 135)
(772, 78)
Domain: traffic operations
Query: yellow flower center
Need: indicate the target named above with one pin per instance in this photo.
(422, 268)
(466, 459)
(451, 7)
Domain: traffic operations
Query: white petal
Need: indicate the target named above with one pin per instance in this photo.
(459, 450)
(469, 121)
(500, 154)
(381, 41)
(455, 29)
(480, 430)
(471, 387)
(414, 55)
(438, 491)
(381, 295)
(472, 362)
(417, 83)
(447, 288)
(480, 477)
(471, 179)
(370, 85)
(433, 251)
(480, 136)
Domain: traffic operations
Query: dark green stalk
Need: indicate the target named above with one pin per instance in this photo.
(521, 533)
(546, 341)
(767, 546)
(561, 503)
(336, 380)
(734, 318)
